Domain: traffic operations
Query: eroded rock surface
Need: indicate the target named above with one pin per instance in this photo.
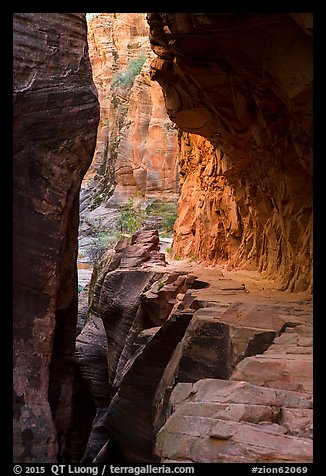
(239, 87)
(262, 347)
(242, 84)
(56, 113)
(220, 421)
(287, 364)
(91, 358)
(134, 399)
(195, 328)
(132, 290)
(136, 151)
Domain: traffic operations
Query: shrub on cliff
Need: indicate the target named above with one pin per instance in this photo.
(126, 78)
(131, 217)
(90, 16)
(166, 214)
(100, 243)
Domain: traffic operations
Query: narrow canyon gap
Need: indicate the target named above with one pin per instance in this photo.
(56, 113)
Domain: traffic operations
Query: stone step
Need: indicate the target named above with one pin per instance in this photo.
(268, 355)
(289, 372)
(212, 440)
(288, 349)
(220, 421)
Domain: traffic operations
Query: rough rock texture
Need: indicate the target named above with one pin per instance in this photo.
(136, 151)
(91, 357)
(117, 297)
(206, 327)
(244, 339)
(131, 290)
(55, 119)
(287, 364)
(221, 338)
(215, 341)
(133, 401)
(242, 81)
(220, 421)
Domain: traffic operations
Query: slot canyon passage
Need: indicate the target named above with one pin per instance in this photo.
(169, 157)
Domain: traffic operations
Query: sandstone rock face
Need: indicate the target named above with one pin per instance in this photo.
(91, 357)
(133, 401)
(264, 349)
(243, 83)
(205, 370)
(287, 364)
(214, 342)
(55, 119)
(220, 421)
(146, 164)
(136, 151)
(120, 354)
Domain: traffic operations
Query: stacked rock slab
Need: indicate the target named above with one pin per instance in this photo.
(287, 364)
(260, 409)
(219, 421)
(171, 333)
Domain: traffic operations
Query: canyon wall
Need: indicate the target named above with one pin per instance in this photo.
(136, 151)
(55, 121)
(239, 87)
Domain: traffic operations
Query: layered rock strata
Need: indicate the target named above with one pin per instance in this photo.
(167, 332)
(134, 399)
(55, 120)
(121, 355)
(136, 151)
(91, 360)
(239, 87)
(219, 421)
(248, 376)
(287, 364)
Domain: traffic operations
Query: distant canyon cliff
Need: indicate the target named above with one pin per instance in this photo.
(136, 150)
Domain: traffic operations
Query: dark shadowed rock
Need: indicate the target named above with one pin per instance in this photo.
(91, 357)
(133, 443)
(119, 306)
(120, 322)
(55, 120)
(120, 297)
